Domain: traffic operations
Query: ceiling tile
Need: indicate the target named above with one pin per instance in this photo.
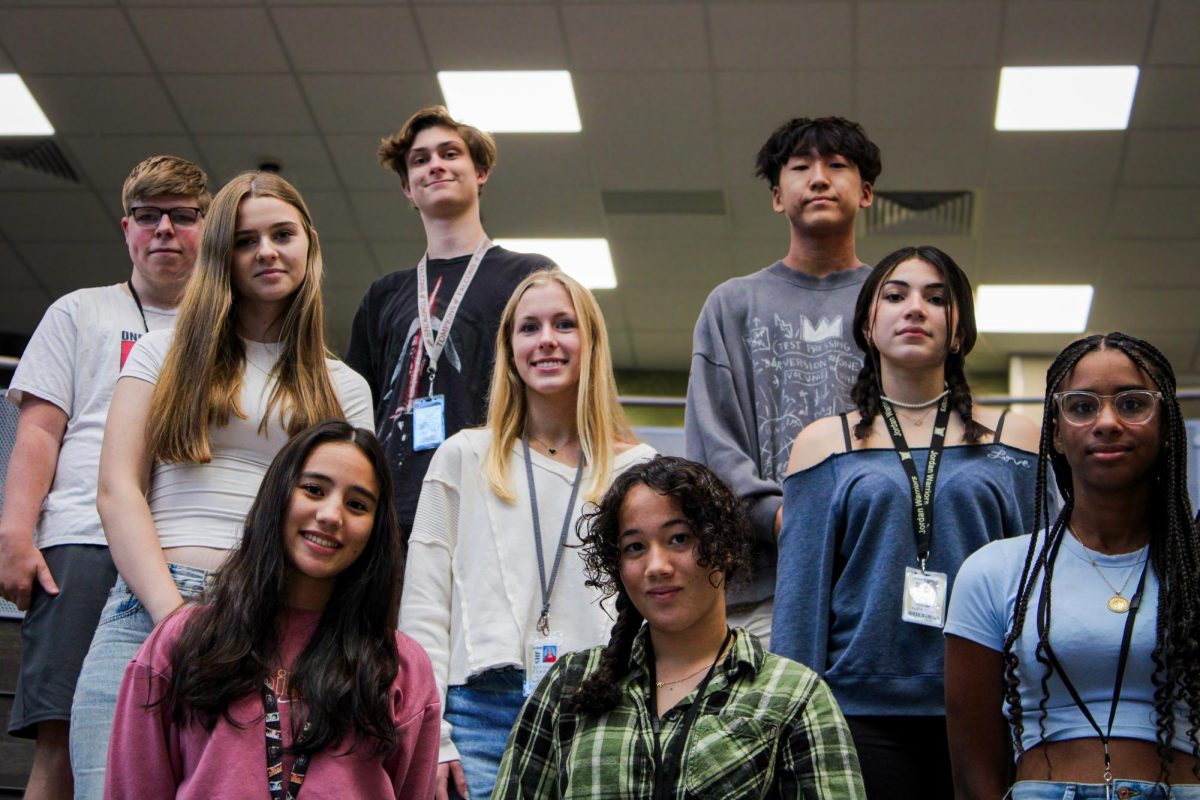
(1021, 260)
(15, 272)
(18, 176)
(960, 99)
(107, 160)
(249, 104)
(762, 101)
(339, 106)
(385, 215)
(512, 211)
(90, 105)
(665, 309)
(331, 214)
(1162, 158)
(671, 350)
(1036, 160)
(543, 159)
(1048, 213)
(872, 249)
(931, 159)
(302, 159)
(1161, 263)
(929, 34)
(1166, 98)
(71, 40)
(604, 36)
(492, 37)
(348, 265)
(71, 215)
(340, 306)
(1075, 32)
(358, 164)
(23, 309)
(1156, 212)
(670, 264)
(66, 266)
(1174, 37)
(210, 39)
(351, 38)
(765, 35)
(1151, 310)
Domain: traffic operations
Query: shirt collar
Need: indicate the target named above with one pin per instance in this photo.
(747, 655)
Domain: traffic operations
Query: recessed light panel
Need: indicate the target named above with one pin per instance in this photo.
(1014, 308)
(588, 261)
(20, 115)
(541, 101)
(1065, 98)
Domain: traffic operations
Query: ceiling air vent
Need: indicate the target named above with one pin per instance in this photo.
(42, 156)
(665, 202)
(920, 214)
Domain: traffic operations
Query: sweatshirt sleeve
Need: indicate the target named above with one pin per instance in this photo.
(143, 753)
(719, 427)
(413, 764)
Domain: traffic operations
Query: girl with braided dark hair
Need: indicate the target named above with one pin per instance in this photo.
(863, 573)
(1085, 634)
(680, 706)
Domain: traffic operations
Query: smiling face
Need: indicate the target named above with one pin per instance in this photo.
(442, 178)
(1109, 454)
(163, 255)
(820, 193)
(270, 252)
(328, 521)
(908, 319)
(674, 593)
(546, 345)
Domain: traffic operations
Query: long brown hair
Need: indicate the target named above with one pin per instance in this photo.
(201, 377)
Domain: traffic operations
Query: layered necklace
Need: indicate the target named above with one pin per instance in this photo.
(924, 404)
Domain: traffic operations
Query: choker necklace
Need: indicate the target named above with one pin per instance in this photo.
(1118, 603)
(922, 404)
(552, 450)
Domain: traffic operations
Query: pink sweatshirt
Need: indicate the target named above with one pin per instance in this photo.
(150, 758)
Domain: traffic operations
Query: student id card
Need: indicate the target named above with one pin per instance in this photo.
(924, 600)
(541, 653)
(429, 422)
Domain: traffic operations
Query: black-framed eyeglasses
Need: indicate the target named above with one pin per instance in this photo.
(1135, 406)
(150, 216)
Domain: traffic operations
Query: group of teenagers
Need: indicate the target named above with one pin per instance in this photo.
(446, 567)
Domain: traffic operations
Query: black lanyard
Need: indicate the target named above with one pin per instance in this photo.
(922, 491)
(665, 769)
(138, 300)
(548, 587)
(1043, 627)
(275, 751)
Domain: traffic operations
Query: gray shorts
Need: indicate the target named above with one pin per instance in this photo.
(57, 632)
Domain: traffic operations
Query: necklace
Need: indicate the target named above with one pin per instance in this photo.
(917, 421)
(552, 450)
(922, 404)
(661, 684)
(1118, 603)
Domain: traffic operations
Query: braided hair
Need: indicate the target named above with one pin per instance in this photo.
(866, 391)
(722, 533)
(1174, 553)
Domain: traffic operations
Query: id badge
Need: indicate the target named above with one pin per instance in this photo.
(429, 422)
(924, 601)
(541, 653)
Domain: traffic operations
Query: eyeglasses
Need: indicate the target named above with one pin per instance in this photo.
(1135, 406)
(150, 216)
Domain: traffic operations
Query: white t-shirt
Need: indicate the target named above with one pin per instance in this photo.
(73, 361)
(205, 505)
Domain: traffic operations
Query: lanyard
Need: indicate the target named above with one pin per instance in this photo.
(138, 300)
(275, 751)
(665, 769)
(922, 491)
(548, 588)
(435, 345)
(1043, 626)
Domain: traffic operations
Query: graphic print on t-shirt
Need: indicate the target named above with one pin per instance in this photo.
(802, 372)
(128, 340)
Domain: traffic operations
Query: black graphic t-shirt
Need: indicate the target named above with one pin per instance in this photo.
(385, 348)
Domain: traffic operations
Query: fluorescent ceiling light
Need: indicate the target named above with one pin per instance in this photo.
(1065, 98)
(20, 115)
(588, 261)
(513, 102)
(1013, 308)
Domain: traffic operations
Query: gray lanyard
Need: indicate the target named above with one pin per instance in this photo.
(434, 346)
(548, 588)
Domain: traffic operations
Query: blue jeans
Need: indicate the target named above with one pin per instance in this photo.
(1122, 790)
(124, 625)
(481, 714)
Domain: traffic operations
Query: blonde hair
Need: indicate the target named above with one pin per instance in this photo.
(599, 418)
(166, 175)
(201, 377)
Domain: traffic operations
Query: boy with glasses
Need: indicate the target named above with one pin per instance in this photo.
(54, 561)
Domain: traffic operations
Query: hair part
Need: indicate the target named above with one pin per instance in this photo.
(866, 390)
(160, 176)
(718, 522)
(201, 379)
(1174, 552)
(826, 136)
(599, 419)
(230, 644)
(393, 150)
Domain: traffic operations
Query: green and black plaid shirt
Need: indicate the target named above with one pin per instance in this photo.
(768, 727)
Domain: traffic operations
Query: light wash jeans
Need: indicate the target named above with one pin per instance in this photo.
(482, 713)
(1122, 790)
(124, 625)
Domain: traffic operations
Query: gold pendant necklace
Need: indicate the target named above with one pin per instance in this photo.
(1118, 603)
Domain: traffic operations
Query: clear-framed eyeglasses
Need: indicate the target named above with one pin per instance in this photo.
(150, 216)
(1134, 406)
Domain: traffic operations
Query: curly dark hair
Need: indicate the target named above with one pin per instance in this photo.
(718, 522)
(1174, 552)
(826, 136)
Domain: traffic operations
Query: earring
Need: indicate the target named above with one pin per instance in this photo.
(954, 348)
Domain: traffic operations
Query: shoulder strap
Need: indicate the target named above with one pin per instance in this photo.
(999, 427)
(846, 431)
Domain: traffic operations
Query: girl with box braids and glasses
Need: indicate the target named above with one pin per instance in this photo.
(880, 509)
(1079, 646)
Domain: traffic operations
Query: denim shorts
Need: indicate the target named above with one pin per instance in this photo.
(124, 625)
(1122, 790)
(481, 714)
